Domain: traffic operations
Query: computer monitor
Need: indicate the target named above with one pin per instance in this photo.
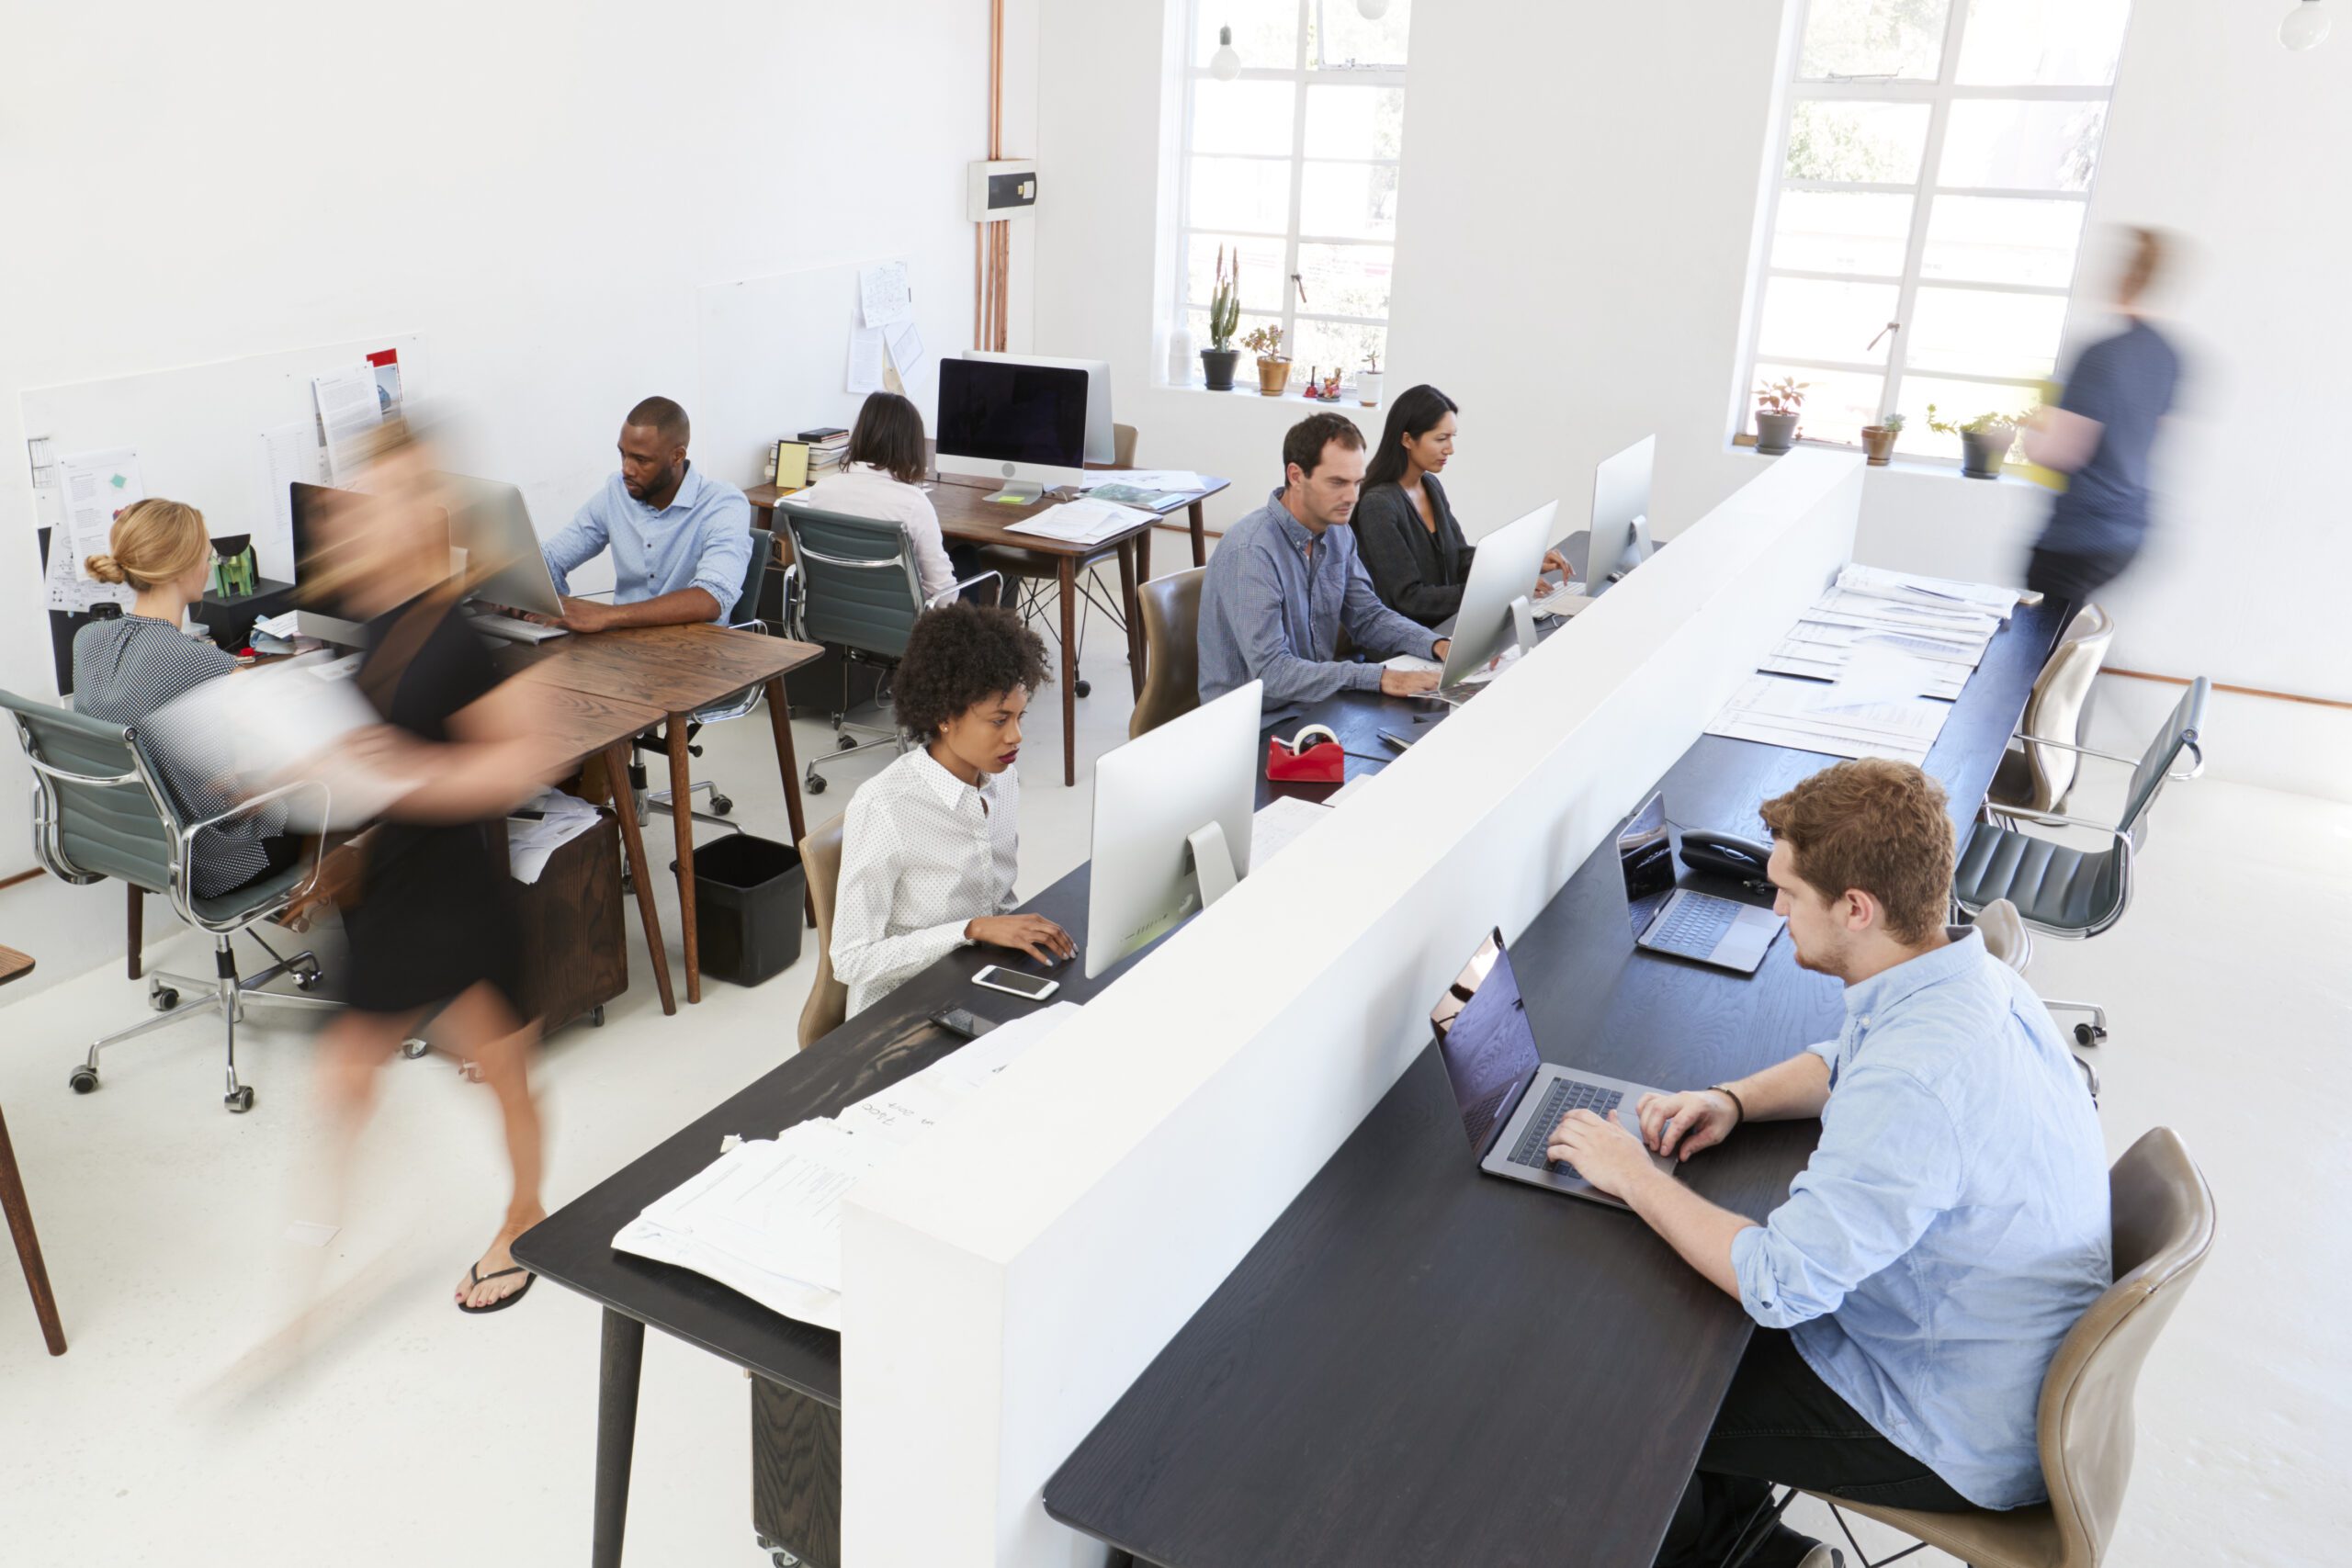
(1025, 423)
(1621, 513)
(1496, 603)
(320, 611)
(1173, 809)
(1101, 444)
(505, 564)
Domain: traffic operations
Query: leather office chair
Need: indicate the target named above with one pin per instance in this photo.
(1171, 628)
(2007, 939)
(99, 811)
(743, 616)
(2163, 1225)
(820, 857)
(2035, 776)
(854, 585)
(2076, 893)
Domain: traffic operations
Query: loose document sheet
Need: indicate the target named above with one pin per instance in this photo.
(1082, 522)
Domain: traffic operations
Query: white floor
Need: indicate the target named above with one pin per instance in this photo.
(233, 1397)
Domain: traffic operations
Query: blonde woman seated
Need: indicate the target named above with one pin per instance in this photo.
(883, 480)
(930, 843)
(126, 666)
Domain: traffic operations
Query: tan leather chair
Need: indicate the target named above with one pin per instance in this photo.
(820, 857)
(1123, 446)
(1172, 643)
(2163, 1218)
(2036, 778)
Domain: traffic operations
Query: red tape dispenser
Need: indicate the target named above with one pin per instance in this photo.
(1312, 756)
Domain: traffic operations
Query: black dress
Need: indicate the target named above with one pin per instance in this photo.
(1416, 572)
(436, 909)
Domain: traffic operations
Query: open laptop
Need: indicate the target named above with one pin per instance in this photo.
(1693, 925)
(1511, 1098)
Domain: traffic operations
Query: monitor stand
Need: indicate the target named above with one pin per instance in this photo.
(1019, 492)
(1522, 621)
(1212, 864)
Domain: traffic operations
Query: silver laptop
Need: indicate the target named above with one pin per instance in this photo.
(1689, 924)
(1511, 1098)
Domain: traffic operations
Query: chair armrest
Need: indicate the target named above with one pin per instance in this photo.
(2048, 818)
(2195, 750)
(955, 591)
(180, 884)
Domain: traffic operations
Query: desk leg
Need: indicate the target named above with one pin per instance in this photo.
(1134, 612)
(623, 1352)
(682, 795)
(133, 948)
(780, 720)
(1200, 534)
(1068, 582)
(20, 1225)
(616, 760)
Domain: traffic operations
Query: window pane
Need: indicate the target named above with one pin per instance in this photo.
(1346, 280)
(2048, 43)
(1326, 347)
(1348, 39)
(1243, 116)
(1262, 269)
(1902, 38)
(1265, 32)
(1872, 143)
(1956, 402)
(2005, 144)
(1806, 319)
(1199, 322)
(1994, 238)
(1818, 231)
(1349, 200)
(1838, 403)
(1986, 334)
(1240, 193)
(1355, 122)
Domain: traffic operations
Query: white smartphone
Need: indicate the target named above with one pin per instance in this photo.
(1012, 983)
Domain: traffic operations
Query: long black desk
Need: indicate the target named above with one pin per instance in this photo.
(1419, 1365)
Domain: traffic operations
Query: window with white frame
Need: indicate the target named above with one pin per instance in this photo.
(1922, 238)
(1291, 167)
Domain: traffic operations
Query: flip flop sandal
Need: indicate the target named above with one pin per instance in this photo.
(475, 1275)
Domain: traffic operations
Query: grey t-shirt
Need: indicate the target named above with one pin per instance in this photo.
(2126, 382)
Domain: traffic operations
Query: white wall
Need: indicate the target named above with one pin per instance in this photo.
(1579, 196)
(539, 186)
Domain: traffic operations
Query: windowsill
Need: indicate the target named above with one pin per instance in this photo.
(1291, 398)
(1945, 468)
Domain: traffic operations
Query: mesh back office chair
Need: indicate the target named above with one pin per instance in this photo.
(2076, 893)
(828, 1005)
(98, 811)
(2162, 1219)
(854, 585)
(1172, 642)
(2035, 776)
(743, 617)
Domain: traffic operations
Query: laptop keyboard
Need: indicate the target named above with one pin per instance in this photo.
(1563, 1095)
(1695, 925)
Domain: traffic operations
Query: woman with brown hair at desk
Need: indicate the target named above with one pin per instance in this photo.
(431, 924)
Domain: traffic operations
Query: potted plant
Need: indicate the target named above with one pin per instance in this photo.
(1985, 441)
(1778, 403)
(1219, 359)
(1273, 365)
(1368, 382)
(1878, 440)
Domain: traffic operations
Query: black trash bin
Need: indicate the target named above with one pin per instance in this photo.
(748, 896)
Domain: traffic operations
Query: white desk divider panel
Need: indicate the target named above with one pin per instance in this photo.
(1009, 1279)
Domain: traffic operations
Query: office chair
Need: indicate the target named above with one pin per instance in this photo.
(2007, 939)
(2163, 1220)
(100, 811)
(821, 856)
(2035, 776)
(854, 585)
(1033, 578)
(745, 617)
(2071, 893)
(1172, 642)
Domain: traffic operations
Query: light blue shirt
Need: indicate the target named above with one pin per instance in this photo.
(702, 539)
(1951, 1225)
(1271, 607)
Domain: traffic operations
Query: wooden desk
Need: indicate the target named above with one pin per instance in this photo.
(586, 725)
(967, 517)
(677, 670)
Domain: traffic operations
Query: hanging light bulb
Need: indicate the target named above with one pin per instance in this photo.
(2305, 26)
(1225, 65)
(1371, 10)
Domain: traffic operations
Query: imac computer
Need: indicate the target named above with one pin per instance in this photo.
(505, 567)
(1173, 809)
(1101, 445)
(1621, 513)
(1023, 424)
(321, 611)
(1498, 604)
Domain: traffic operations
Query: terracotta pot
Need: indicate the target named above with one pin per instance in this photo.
(1218, 364)
(1273, 375)
(1775, 433)
(1878, 444)
(1982, 451)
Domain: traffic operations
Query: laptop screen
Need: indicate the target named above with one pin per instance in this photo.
(1482, 1037)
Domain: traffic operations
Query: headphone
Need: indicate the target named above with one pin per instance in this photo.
(1314, 734)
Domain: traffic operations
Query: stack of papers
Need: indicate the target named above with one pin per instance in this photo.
(1084, 522)
(1934, 593)
(764, 1218)
(1182, 480)
(1929, 618)
(1800, 714)
(531, 841)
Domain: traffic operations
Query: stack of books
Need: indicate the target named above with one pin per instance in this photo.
(828, 450)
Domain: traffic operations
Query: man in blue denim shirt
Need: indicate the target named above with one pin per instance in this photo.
(1949, 1227)
(681, 540)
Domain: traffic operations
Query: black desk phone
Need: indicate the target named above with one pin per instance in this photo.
(1725, 854)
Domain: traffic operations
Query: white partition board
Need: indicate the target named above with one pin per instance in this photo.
(1012, 1277)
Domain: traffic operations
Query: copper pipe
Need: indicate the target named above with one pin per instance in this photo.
(979, 271)
(996, 78)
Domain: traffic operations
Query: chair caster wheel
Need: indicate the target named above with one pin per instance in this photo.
(413, 1048)
(813, 784)
(722, 805)
(239, 1100)
(162, 999)
(84, 1080)
(597, 1016)
(2088, 1033)
(1084, 688)
(844, 742)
